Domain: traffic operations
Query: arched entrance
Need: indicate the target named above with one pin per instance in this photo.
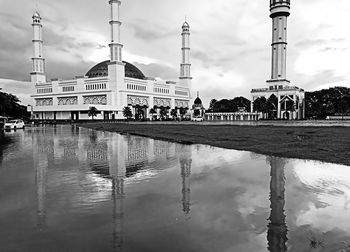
(286, 115)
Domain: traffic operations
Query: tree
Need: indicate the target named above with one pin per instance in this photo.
(173, 113)
(241, 102)
(92, 112)
(212, 104)
(163, 112)
(127, 112)
(183, 112)
(139, 113)
(9, 106)
(260, 105)
(152, 111)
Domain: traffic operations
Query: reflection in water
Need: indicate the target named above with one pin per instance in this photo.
(118, 172)
(42, 148)
(277, 228)
(101, 191)
(185, 163)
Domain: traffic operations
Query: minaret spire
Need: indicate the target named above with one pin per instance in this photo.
(38, 66)
(279, 11)
(115, 45)
(185, 72)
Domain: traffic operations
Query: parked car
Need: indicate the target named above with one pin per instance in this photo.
(14, 124)
(197, 119)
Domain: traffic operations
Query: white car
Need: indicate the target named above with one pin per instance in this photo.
(197, 119)
(14, 124)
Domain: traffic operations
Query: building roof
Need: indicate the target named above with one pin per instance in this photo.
(36, 15)
(198, 101)
(101, 69)
(185, 25)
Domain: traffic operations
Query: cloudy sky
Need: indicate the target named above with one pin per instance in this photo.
(230, 42)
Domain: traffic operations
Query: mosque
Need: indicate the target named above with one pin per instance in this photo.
(109, 86)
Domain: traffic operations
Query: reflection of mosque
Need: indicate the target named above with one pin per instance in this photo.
(112, 156)
(277, 228)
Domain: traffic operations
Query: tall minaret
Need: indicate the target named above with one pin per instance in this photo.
(185, 69)
(115, 45)
(38, 68)
(279, 10)
(116, 67)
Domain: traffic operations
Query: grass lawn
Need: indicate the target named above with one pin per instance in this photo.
(330, 144)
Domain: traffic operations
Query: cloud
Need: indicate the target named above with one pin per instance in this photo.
(230, 41)
(157, 70)
(21, 89)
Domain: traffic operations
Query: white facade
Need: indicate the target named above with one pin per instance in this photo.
(278, 84)
(109, 86)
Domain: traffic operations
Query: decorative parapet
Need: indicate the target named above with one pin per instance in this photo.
(134, 100)
(181, 104)
(44, 102)
(181, 92)
(161, 102)
(95, 99)
(63, 101)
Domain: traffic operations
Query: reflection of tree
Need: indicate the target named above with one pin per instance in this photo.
(4, 143)
(277, 228)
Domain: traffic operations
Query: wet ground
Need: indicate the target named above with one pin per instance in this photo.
(66, 188)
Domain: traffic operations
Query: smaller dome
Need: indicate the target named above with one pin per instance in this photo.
(198, 101)
(36, 15)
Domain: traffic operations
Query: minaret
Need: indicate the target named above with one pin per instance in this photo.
(38, 67)
(116, 67)
(277, 228)
(115, 45)
(279, 11)
(185, 68)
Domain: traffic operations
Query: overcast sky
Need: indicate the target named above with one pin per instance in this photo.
(230, 42)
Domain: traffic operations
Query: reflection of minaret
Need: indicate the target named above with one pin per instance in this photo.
(185, 162)
(277, 228)
(40, 164)
(118, 172)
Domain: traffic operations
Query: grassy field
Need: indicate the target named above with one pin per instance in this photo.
(330, 144)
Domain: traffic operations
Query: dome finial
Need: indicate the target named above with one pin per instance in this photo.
(185, 25)
(36, 15)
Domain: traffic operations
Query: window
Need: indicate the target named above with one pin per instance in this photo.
(68, 89)
(98, 86)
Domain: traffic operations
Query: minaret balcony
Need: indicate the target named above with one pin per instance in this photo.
(279, 2)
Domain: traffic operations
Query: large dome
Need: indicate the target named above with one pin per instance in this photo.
(101, 69)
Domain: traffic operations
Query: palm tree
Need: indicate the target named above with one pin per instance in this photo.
(127, 112)
(173, 113)
(152, 111)
(163, 112)
(92, 112)
(183, 112)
